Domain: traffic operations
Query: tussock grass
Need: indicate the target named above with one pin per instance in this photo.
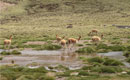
(126, 54)
(20, 73)
(87, 50)
(14, 52)
(107, 69)
(1, 58)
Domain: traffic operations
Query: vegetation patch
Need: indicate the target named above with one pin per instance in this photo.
(107, 69)
(87, 50)
(117, 48)
(128, 59)
(83, 73)
(1, 58)
(95, 60)
(104, 61)
(126, 54)
(14, 52)
(22, 73)
(112, 62)
(49, 47)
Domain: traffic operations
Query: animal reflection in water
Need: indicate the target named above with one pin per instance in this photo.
(68, 57)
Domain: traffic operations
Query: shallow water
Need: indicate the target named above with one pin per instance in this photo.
(55, 57)
(44, 57)
(123, 26)
(44, 52)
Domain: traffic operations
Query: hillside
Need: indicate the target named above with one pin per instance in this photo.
(59, 7)
(47, 17)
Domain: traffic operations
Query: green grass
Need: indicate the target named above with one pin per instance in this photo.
(1, 58)
(102, 48)
(86, 50)
(128, 59)
(107, 69)
(20, 73)
(83, 73)
(44, 22)
(104, 61)
(126, 54)
(14, 52)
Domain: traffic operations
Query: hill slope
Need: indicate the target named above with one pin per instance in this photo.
(46, 17)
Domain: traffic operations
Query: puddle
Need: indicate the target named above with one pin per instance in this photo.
(1, 50)
(35, 43)
(43, 58)
(40, 52)
(44, 52)
(116, 55)
(123, 26)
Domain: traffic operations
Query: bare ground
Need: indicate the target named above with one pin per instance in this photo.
(4, 5)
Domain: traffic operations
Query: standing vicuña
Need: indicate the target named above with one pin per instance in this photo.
(73, 41)
(7, 42)
(63, 42)
(96, 39)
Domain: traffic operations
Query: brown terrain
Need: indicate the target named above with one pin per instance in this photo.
(4, 5)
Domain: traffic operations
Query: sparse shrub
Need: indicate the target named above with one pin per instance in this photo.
(128, 72)
(87, 67)
(67, 73)
(40, 69)
(1, 58)
(128, 59)
(103, 50)
(49, 47)
(128, 48)
(14, 52)
(79, 44)
(3, 78)
(111, 62)
(83, 73)
(50, 67)
(49, 78)
(126, 54)
(88, 50)
(61, 67)
(5, 53)
(116, 42)
(102, 46)
(22, 73)
(83, 58)
(107, 69)
(116, 38)
(117, 48)
(25, 77)
(95, 59)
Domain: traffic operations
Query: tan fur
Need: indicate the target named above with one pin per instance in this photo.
(96, 39)
(94, 31)
(73, 41)
(58, 38)
(7, 42)
(63, 43)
